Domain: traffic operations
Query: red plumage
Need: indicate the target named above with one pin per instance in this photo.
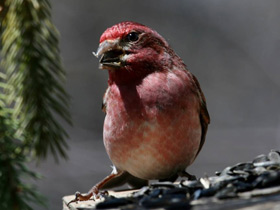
(156, 116)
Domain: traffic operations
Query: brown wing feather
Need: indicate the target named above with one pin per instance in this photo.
(204, 115)
(103, 107)
(104, 102)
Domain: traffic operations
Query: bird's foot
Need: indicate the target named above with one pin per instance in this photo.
(187, 175)
(93, 192)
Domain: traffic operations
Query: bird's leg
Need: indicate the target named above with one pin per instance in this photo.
(187, 175)
(95, 189)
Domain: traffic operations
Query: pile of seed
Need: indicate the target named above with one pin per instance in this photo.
(262, 172)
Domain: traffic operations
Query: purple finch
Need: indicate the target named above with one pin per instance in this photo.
(156, 116)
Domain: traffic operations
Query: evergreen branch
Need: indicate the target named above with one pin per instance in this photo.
(35, 74)
(14, 193)
(33, 99)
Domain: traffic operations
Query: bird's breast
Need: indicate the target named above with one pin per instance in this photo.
(152, 129)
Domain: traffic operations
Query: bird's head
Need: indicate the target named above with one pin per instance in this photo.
(130, 51)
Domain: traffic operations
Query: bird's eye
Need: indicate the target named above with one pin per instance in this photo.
(132, 37)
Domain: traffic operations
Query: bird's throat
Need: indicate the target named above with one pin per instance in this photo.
(126, 76)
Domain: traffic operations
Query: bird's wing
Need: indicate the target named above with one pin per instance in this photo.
(204, 115)
(104, 102)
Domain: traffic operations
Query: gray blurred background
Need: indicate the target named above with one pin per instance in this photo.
(232, 47)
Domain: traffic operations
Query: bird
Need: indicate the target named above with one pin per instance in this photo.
(156, 114)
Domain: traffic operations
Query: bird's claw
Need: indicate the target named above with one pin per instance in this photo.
(103, 193)
(80, 197)
(190, 177)
(95, 193)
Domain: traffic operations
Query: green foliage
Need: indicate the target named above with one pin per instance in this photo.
(31, 98)
(34, 73)
(14, 193)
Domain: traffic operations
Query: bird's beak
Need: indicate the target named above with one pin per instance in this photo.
(110, 54)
